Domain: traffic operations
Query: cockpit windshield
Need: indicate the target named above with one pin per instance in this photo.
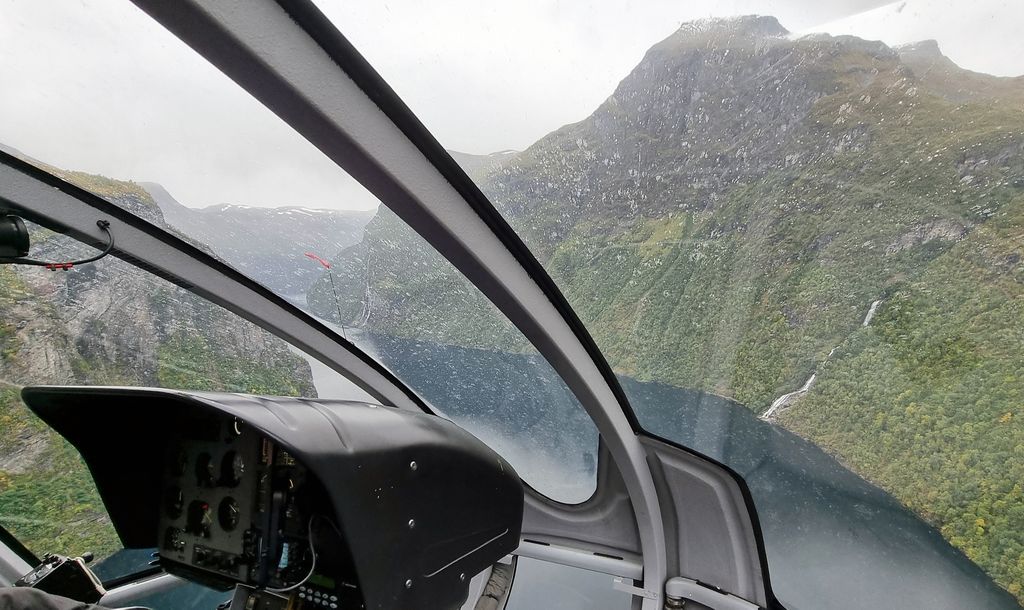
(795, 235)
(795, 230)
(104, 97)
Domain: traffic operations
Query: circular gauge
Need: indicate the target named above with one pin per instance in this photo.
(232, 467)
(172, 539)
(227, 514)
(174, 502)
(199, 519)
(180, 463)
(204, 470)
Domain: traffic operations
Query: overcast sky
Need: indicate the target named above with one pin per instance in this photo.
(95, 85)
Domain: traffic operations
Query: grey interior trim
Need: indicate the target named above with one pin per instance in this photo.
(476, 588)
(628, 567)
(688, 590)
(56, 209)
(126, 594)
(709, 529)
(259, 46)
(604, 524)
(12, 566)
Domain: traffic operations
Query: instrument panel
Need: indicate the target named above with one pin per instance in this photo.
(297, 503)
(237, 507)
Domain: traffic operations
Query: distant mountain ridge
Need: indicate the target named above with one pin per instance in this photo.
(479, 166)
(940, 75)
(268, 244)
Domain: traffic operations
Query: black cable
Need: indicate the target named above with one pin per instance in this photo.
(104, 225)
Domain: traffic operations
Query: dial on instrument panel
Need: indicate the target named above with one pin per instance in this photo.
(180, 462)
(173, 540)
(174, 502)
(204, 470)
(199, 519)
(232, 467)
(227, 514)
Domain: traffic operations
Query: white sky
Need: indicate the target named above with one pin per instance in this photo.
(95, 85)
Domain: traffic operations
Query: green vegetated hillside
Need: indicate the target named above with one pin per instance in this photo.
(396, 283)
(724, 222)
(46, 496)
(927, 400)
(107, 323)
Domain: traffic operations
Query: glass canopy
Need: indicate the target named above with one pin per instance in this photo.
(161, 132)
(795, 235)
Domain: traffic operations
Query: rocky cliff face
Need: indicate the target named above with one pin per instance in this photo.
(715, 105)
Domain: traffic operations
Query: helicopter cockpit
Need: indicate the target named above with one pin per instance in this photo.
(729, 322)
(294, 503)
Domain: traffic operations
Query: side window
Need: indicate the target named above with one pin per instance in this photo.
(108, 323)
(235, 179)
(47, 499)
(539, 584)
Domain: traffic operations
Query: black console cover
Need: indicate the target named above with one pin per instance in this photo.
(422, 504)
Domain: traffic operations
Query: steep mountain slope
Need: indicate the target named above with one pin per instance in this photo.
(479, 166)
(938, 74)
(267, 244)
(926, 400)
(107, 323)
(727, 217)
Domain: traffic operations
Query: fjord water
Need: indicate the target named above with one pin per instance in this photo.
(833, 540)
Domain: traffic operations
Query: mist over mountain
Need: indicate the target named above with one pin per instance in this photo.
(268, 244)
(478, 166)
(941, 76)
(748, 210)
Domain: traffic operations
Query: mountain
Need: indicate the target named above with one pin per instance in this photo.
(725, 221)
(478, 166)
(107, 323)
(267, 244)
(939, 75)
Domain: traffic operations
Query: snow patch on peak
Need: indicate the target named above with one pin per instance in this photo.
(930, 46)
(750, 25)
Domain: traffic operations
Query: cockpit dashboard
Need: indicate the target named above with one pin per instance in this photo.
(296, 503)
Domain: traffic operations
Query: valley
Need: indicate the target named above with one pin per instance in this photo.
(825, 232)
